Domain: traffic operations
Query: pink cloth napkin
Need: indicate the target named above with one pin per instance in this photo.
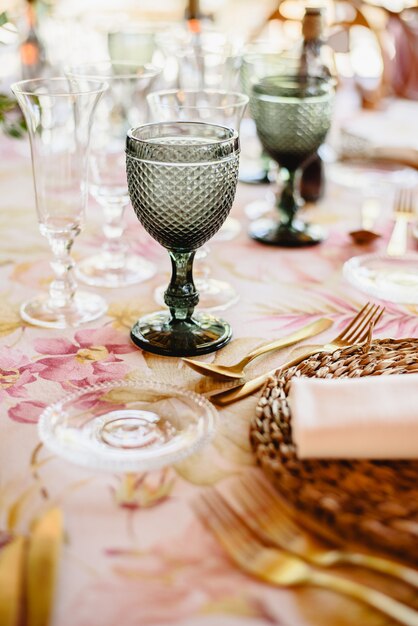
(374, 417)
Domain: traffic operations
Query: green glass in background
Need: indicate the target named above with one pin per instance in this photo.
(292, 114)
(182, 178)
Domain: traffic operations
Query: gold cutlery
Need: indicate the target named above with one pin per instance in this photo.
(11, 581)
(356, 333)
(404, 213)
(268, 518)
(236, 371)
(42, 566)
(281, 568)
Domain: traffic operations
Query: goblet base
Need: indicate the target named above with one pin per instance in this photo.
(214, 295)
(85, 307)
(101, 270)
(297, 235)
(200, 334)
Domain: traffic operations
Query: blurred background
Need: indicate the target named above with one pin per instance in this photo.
(375, 41)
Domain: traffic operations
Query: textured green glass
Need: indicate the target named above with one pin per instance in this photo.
(292, 116)
(182, 179)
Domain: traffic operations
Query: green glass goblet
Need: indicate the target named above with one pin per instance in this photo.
(182, 178)
(292, 114)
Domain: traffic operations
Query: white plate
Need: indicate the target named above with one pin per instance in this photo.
(389, 278)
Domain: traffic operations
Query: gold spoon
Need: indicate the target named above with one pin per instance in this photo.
(236, 371)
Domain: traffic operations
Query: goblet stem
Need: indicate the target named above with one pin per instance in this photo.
(181, 296)
(63, 287)
(113, 229)
(287, 204)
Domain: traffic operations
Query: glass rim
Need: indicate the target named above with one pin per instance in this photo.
(19, 87)
(233, 137)
(329, 83)
(136, 147)
(241, 98)
(151, 70)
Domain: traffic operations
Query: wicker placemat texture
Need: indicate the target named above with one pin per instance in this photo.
(371, 503)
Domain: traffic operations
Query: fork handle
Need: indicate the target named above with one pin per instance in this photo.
(310, 330)
(224, 397)
(391, 568)
(376, 599)
(399, 238)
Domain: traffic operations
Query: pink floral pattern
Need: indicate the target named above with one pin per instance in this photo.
(27, 412)
(17, 371)
(90, 358)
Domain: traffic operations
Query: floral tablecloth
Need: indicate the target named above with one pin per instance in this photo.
(134, 552)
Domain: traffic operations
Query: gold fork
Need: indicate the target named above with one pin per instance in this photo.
(229, 372)
(281, 568)
(404, 213)
(357, 332)
(268, 518)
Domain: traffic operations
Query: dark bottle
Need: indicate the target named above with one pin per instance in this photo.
(316, 59)
(192, 11)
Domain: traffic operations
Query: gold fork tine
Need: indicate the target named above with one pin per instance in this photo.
(269, 501)
(214, 514)
(353, 324)
(367, 328)
(247, 495)
(353, 331)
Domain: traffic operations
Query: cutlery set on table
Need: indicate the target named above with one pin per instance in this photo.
(258, 522)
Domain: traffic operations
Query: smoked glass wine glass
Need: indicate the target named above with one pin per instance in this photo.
(182, 179)
(216, 107)
(292, 113)
(59, 114)
(123, 106)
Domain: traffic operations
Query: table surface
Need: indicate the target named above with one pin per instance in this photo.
(134, 552)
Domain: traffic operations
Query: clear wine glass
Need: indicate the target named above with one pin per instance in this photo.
(124, 105)
(217, 107)
(182, 179)
(292, 113)
(59, 114)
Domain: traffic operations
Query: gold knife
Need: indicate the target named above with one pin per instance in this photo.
(11, 581)
(42, 566)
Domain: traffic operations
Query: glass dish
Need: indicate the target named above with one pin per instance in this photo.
(127, 426)
(387, 277)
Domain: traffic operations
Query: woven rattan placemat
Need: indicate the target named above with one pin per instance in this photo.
(369, 503)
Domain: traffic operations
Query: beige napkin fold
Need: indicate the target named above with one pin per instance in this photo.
(374, 417)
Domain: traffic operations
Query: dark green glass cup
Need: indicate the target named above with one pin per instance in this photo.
(182, 178)
(292, 114)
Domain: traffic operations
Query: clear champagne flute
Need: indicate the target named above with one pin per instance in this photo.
(59, 114)
(217, 107)
(182, 179)
(124, 105)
